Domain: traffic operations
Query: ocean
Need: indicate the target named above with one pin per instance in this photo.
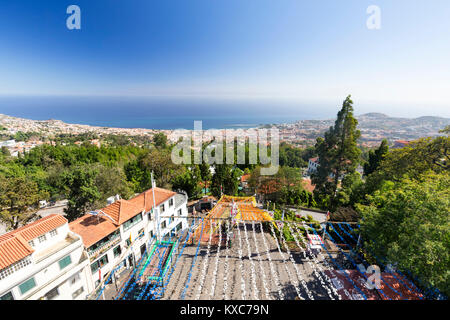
(162, 113)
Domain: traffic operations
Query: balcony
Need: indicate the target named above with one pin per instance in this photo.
(69, 240)
(114, 240)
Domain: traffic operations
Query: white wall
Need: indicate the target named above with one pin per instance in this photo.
(45, 268)
(148, 226)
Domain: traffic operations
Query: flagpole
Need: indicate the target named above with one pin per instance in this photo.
(156, 211)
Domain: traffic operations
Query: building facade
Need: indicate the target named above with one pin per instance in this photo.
(43, 260)
(116, 236)
(313, 164)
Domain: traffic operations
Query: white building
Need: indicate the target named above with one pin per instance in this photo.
(119, 234)
(313, 164)
(8, 143)
(43, 260)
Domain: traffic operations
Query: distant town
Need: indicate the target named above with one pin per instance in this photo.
(20, 135)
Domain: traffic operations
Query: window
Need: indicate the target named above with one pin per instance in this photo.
(163, 225)
(161, 207)
(99, 263)
(27, 286)
(42, 238)
(117, 251)
(64, 262)
(151, 234)
(179, 212)
(128, 224)
(105, 241)
(52, 293)
(53, 233)
(179, 226)
(170, 202)
(7, 296)
(77, 293)
(74, 279)
(128, 242)
(141, 232)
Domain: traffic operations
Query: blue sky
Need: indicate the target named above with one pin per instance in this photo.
(310, 51)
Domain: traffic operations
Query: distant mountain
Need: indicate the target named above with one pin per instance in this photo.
(374, 115)
(375, 126)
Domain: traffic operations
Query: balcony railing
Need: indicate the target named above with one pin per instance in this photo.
(93, 254)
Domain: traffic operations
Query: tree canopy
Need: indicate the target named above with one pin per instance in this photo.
(409, 223)
(338, 154)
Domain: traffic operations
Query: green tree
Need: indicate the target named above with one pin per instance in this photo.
(82, 193)
(338, 153)
(19, 201)
(285, 187)
(291, 156)
(445, 130)
(225, 180)
(160, 162)
(408, 222)
(111, 181)
(375, 158)
(160, 140)
(412, 161)
(351, 191)
(205, 172)
(5, 152)
(189, 182)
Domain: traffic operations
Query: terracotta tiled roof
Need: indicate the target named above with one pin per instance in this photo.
(13, 249)
(14, 245)
(40, 227)
(245, 177)
(92, 228)
(145, 199)
(315, 159)
(122, 210)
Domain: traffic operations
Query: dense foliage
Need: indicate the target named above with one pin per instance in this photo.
(338, 155)
(409, 223)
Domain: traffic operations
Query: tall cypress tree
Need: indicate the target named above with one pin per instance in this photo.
(338, 154)
(375, 158)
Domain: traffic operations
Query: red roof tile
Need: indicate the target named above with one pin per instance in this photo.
(122, 210)
(92, 229)
(145, 199)
(40, 227)
(13, 249)
(14, 245)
